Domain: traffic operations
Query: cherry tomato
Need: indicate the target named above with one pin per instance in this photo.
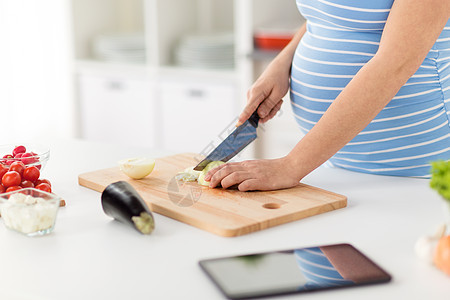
(27, 184)
(18, 155)
(3, 170)
(31, 173)
(6, 159)
(17, 166)
(2, 189)
(19, 149)
(29, 158)
(26, 158)
(39, 181)
(44, 187)
(13, 188)
(11, 178)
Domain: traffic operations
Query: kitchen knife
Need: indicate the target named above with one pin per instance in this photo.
(234, 143)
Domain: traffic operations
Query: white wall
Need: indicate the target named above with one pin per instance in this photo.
(36, 90)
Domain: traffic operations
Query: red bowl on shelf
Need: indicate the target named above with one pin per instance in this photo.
(271, 41)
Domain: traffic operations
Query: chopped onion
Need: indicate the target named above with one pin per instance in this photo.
(189, 174)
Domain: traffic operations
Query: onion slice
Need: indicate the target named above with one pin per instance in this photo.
(138, 167)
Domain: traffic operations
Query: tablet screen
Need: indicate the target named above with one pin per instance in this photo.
(292, 271)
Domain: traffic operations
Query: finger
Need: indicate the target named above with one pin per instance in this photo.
(213, 171)
(234, 178)
(267, 105)
(249, 185)
(273, 112)
(221, 174)
(253, 101)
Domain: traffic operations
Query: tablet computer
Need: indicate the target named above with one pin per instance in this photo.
(292, 271)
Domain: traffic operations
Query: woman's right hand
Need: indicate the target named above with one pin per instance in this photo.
(267, 92)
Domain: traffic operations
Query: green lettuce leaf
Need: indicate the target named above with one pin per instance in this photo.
(440, 178)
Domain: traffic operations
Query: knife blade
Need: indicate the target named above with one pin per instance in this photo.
(240, 138)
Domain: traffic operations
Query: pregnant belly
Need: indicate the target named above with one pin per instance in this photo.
(410, 131)
(324, 65)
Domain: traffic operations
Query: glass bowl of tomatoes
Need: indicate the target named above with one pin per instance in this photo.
(30, 155)
(23, 171)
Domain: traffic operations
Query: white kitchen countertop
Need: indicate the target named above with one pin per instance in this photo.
(90, 256)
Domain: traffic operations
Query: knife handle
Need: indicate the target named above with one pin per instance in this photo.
(254, 119)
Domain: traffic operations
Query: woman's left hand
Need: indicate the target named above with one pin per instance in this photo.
(252, 175)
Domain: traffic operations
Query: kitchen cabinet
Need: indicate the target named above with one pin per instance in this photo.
(195, 116)
(119, 110)
(163, 23)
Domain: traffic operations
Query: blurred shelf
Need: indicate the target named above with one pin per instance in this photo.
(264, 55)
(215, 74)
(164, 24)
(92, 66)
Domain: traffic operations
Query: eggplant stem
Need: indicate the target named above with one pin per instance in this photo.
(144, 223)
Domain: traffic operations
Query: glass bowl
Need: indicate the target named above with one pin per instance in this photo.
(37, 156)
(29, 211)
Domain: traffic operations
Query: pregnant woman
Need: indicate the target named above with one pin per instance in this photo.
(370, 88)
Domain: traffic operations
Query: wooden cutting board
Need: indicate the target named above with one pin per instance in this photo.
(220, 211)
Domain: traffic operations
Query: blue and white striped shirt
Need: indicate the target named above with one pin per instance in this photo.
(412, 130)
(318, 269)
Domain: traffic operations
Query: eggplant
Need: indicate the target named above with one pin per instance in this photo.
(123, 203)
